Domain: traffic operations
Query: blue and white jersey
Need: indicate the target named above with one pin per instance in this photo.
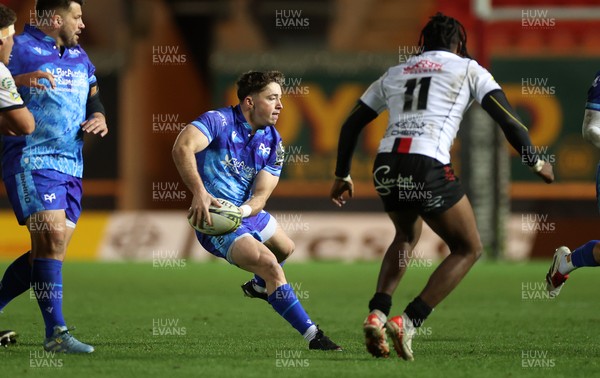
(57, 140)
(234, 157)
(593, 100)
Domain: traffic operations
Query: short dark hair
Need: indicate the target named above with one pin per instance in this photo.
(443, 32)
(46, 5)
(7, 16)
(254, 81)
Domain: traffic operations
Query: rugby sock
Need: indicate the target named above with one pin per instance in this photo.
(584, 255)
(381, 302)
(417, 311)
(46, 280)
(16, 280)
(259, 284)
(284, 301)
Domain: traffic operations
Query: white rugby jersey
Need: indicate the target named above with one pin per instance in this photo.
(426, 98)
(9, 97)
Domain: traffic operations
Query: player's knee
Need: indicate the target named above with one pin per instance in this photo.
(469, 248)
(50, 244)
(271, 270)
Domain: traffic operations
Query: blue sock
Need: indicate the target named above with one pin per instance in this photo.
(259, 280)
(584, 255)
(46, 280)
(284, 301)
(16, 280)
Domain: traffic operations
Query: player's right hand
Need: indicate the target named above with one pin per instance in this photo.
(199, 212)
(547, 173)
(339, 188)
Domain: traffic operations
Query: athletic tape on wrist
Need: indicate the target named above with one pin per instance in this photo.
(537, 166)
(246, 210)
(346, 179)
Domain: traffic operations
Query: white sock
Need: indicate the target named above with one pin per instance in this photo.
(310, 333)
(565, 266)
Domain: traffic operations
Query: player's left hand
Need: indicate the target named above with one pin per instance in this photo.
(95, 124)
(339, 188)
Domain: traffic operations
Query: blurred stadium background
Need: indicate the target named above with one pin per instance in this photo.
(162, 63)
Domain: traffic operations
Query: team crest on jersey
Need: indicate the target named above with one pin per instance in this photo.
(39, 51)
(264, 150)
(74, 52)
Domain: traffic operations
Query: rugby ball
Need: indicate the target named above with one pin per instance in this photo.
(225, 219)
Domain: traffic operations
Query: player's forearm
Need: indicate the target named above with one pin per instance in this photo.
(498, 107)
(185, 161)
(591, 127)
(256, 203)
(360, 116)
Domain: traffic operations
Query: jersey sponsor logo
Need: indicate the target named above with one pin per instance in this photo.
(280, 157)
(423, 66)
(68, 79)
(223, 119)
(49, 197)
(24, 188)
(408, 128)
(264, 150)
(239, 167)
(7, 83)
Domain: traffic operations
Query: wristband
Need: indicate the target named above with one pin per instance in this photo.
(246, 210)
(345, 179)
(537, 166)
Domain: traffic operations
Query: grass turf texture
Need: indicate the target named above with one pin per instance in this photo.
(497, 321)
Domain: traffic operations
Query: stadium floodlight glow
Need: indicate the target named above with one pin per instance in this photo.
(486, 11)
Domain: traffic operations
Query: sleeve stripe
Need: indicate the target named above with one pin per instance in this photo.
(507, 112)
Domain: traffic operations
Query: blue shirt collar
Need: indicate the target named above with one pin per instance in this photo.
(38, 34)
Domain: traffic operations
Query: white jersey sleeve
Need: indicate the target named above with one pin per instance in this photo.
(481, 82)
(9, 97)
(374, 96)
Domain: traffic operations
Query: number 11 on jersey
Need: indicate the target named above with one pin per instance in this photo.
(422, 93)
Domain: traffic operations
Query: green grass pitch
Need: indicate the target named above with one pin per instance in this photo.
(190, 321)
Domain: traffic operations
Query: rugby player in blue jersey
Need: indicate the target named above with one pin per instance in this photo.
(235, 153)
(564, 262)
(42, 171)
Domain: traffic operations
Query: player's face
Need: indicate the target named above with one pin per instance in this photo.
(7, 45)
(267, 106)
(72, 25)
